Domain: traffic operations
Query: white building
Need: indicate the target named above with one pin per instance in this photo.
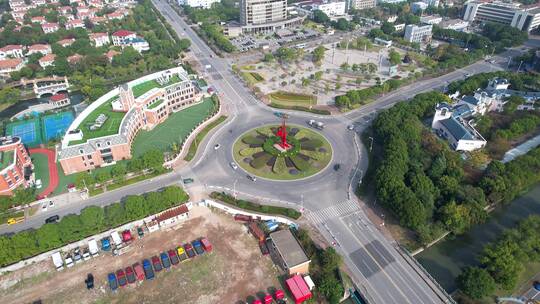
(118, 37)
(331, 8)
(12, 51)
(99, 39)
(415, 33)
(47, 60)
(362, 4)
(455, 24)
(50, 27)
(435, 19)
(10, 65)
(525, 19)
(418, 6)
(44, 49)
(198, 3)
(138, 43)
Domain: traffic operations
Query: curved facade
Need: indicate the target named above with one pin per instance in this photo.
(14, 161)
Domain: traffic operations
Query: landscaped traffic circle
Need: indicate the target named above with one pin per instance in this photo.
(262, 152)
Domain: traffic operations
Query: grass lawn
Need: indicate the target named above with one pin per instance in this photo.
(252, 77)
(200, 136)
(291, 99)
(41, 168)
(144, 87)
(175, 129)
(63, 180)
(110, 127)
(267, 172)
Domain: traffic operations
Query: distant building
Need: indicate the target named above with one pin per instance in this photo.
(385, 43)
(99, 39)
(59, 100)
(50, 27)
(362, 4)
(198, 3)
(10, 65)
(43, 49)
(455, 24)
(525, 19)
(418, 6)
(415, 33)
(12, 51)
(66, 42)
(265, 16)
(336, 8)
(434, 19)
(75, 23)
(15, 165)
(292, 257)
(47, 60)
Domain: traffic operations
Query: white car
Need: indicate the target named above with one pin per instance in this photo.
(234, 165)
(51, 204)
(217, 146)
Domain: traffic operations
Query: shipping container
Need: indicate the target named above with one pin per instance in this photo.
(198, 247)
(298, 288)
(207, 246)
(243, 218)
(139, 271)
(256, 231)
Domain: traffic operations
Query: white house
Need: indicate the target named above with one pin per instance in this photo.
(100, 39)
(44, 49)
(138, 43)
(47, 60)
(50, 27)
(118, 37)
(75, 23)
(10, 65)
(11, 51)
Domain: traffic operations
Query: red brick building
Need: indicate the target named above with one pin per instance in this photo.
(14, 163)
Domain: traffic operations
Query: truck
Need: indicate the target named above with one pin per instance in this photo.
(256, 231)
(242, 218)
(148, 271)
(198, 247)
(316, 124)
(207, 246)
(189, 250)
(105, 244)
(57, 261)
(271, 225)
(116, 239)
(93, 248)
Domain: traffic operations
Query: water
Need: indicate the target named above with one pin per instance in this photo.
(444, 260)
(76, 98)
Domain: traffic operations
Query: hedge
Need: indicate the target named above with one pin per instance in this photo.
(300, 108)
(250, 151)
(279, 166)
(300, 163)
(259, 161)
(247, 205)
(252, 140)
(92, 220)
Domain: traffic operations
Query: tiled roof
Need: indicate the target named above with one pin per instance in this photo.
(172, 213)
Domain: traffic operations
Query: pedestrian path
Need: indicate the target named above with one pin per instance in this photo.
(335, 211)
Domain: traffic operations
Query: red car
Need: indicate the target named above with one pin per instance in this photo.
(130, 274)
(121, 277)
(139, 271)
(173, 257)
(156, 262)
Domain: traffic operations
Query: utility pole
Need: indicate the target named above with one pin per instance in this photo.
(371, 144)
(509, 60)
(519, 67)
(234, 188)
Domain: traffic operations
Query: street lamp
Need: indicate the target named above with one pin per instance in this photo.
(370, 144)
(234, 188)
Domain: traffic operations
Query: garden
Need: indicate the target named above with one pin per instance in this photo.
(258, 152)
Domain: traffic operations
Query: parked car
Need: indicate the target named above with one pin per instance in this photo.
(121, 276)
(52, 219)
(113, 283)
(89, 281)
(130, 275)
(165, 260)
(139, 271)
(189, 250)
(86, 254)
(140, 232)
(188, 181)
(148, 271)
(173, 256)
(77, 258)
(156, 263)
(234, 165)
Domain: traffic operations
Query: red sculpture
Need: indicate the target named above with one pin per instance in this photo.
(282, 133)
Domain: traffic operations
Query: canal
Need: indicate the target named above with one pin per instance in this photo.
(75, 98)
(445, 259)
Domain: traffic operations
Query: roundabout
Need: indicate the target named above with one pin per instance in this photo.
(282, 152)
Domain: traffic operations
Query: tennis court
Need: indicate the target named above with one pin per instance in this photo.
(55, 125)
(27, 130)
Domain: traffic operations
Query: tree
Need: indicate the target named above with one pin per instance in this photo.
(318, 54)
(92, 219)
(394, 57)
(268, 57)
(331, 288)
(48, 236)
(388, 28)
(24, 195)
(320, 17)
(102, 176)
(476, 282)
(512, 103)
(134, 206)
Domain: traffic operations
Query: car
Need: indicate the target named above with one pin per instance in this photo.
(467, 75)
(217, 146)
(113, 283)
(77, 255)
(350, 127)
(86, 254)
(140, 232)
(11, 221)
(44, 207)
(173, 256)
(148, 271)
(69, 261)
(121, 276)
(234, 165)
(130, 275)
(52, 219)
(188, 180)
(156, 263)
(89, 281)
(337, 167)
(165, 260)
(252, 178)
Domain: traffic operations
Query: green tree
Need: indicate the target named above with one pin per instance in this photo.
(92, 219)
(48, 236)
(318, 54)
(394, 57)
(134, 206)
(476, 283)
(320, 17)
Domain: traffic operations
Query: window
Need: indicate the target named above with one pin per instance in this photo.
(89, 156)
(81, 151)
(98, 145)
(108, 143)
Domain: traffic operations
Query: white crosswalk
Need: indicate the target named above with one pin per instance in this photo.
(335, 211)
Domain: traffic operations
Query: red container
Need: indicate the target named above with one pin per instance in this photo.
(268, 299)
(139, 272)
(241, 217)
(256, 301)
(207, 246)
(298, 288)
(256, 231)
(126, 236)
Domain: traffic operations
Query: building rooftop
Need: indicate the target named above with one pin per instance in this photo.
(146, 86)
(6, 159)
(289, 248)
(457, 129)
(172, 213)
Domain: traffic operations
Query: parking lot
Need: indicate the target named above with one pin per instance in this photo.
(233, 271)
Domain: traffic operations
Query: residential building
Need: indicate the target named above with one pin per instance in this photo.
(39, 20)
(15, 165)
(66, 42)
(98, 20)
(120, 36)
(293, 259)
(99, 39)
(115, 16)
(75, 23)
(85, 146)
(12, 51)
(418, 6)
(10, 65)
(173, 216)
(362, 4)
(110, 55)
(50, 27)
(525, 19)
(198, 3)
(59, 100)
(74, 59)
(331, 9)
(415, 33)
(44, 49)
(47, 60)
(138, 43)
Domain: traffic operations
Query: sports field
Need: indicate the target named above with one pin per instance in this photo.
(28, 130)
(41, 169)
(174, 130)
(38, 130)
(55, 125)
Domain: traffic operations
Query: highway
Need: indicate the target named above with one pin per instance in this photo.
(381, 270)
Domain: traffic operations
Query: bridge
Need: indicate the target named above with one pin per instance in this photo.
(42, 86)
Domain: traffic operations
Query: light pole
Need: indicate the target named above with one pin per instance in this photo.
(301, 203)
(519, 67)
(234, 188)
(370, 144)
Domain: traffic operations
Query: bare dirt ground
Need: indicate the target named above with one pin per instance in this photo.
(234, 271)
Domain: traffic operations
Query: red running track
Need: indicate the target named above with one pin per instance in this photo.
(53, 170)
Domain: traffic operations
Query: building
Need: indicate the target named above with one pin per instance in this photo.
(103, 133)
(75, 23)
(59, 100)
(120, 36)
(10, 65)
(331, 9)
(42, 49)
(198, 3)
(455, 24)
(434, 19)
(292, 257)
(50, 27)
(12, 51)
(385, 43)
(172, 216)
(47, 60)
(100, 39)
(263, 16)
(110, 55)
(39, 20)
(418, 6)
(525, 19)
(391, 1)
(74, 59)
(138, 43)
(362, 4)
(15, 165)
(66, 42)
(415, 33)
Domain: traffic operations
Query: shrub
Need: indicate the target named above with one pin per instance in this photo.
(300, 163)
(252, 140)
(247, 205)
(250, 151)
(259, 161)
(312, 143)
(279, 166)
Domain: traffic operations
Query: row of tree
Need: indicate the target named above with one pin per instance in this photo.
(90, 221)
(364, 96)
(502, 261)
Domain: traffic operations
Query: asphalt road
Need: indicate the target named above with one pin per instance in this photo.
(377, 267)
